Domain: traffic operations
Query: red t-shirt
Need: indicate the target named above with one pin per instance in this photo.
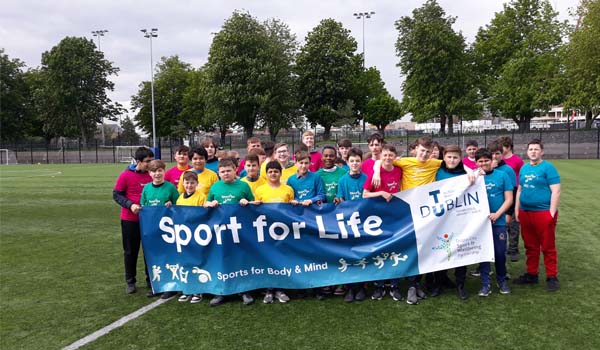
(515, 162)
(469, 163)
(174, 174)
(367, 167)
(316, 161)
(390, 181)
(132, 183)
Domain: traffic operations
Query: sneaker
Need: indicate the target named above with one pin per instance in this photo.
(504, 288)
(247, 299)
(361, 294)
(196, 298)
(526, 279)
(340, 290)
(151, 294)
(184, 298)
(281, 296)
(552, 284)
(268, 299)
(327, 290)
(484, 291)
(411, 297)
(320, 295)
(168, 295)
(462, 292)
(514, 257)
(349, 297)
(436, 291)
(395, 293)
(130, 288)
(507, 276)
(420, 293)
(475, 273)
(216, 300)
(378, 294)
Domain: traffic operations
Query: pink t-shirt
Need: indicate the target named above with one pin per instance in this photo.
(132, 183)
(316, 161)
(469, 163)
(390, 181)
(515, 162)
(367, 167)
(172, 175)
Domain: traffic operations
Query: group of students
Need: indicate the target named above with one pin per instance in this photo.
(517, 192)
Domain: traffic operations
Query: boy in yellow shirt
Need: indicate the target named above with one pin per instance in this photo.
(252, 178)
(206, 177)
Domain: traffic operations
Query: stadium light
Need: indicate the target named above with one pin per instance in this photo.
(152, 33)
(98, 34)
(363, 16)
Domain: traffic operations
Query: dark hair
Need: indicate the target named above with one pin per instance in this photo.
(226, 162)
(536, 142)
(424, 141)
(483, 153)
(273, 165)
(494, 147)
(253, 139)
(182, 149)
(257, 151)
(472, 143)
(506, 141)
(208, 141)
(355, 152)
(452, 149)
(190, 175)
(143, 152)
(201, 151)
(329, 147)
(300, 155)
(389, 148)
(156, 164)
(375, 136)
(252, 157)
(268, 146)
(300, 148)
(440, 148)
(344, 143)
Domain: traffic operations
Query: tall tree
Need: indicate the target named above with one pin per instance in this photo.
(368, 85)
(434, 60)
(582, 62)
(78, 78)
(14, 93)
(128, 133)
(170, 83)
(518, 60)
(382, 110)
(327, 68)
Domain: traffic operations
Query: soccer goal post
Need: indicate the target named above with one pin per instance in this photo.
(125, 154)
(7, 157)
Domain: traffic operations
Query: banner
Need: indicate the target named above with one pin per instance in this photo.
(231, 249)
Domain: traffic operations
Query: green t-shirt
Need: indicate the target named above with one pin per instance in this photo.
(230, 193)
(153, 195)
(331, 180)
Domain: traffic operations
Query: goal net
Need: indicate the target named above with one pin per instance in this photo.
(7, 157)
(125, 154)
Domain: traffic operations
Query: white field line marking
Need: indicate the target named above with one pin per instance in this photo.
(132, 316)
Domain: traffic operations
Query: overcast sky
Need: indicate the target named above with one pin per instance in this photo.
(28, 28)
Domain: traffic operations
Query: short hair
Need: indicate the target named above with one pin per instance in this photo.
(253, 139)
(226, 163)
(252, 157)
(375, 136)
(300, 155)
(483, 153)
(182, 149)
(257, 151)
(452, 149)
(472, 143)
(142, 153)
(190, 175)
(329, 147)
(279, 145)
(424, 141)
(389, 148)
(413, 145)
(308, 133)
(506, 141)
(300, 148)
(268, 146)
(494, 147)
(156, 164)
(344, 142)
(201, 151)
(536, 142)
(339, 161)
(355, 152)
(208, 141)
(273, 165)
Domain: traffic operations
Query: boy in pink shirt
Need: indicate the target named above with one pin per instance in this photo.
(375, 142)
(469, 160)
(183, 159)
(514, 229)
(316, 163)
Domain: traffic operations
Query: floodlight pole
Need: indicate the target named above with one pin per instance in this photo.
(98, 34)
(152, 33)
(363, 15)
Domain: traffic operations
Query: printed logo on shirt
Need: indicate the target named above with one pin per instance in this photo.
(355, 195)
(392, 185)
(227, 198)
(303, 193)
(330, 186)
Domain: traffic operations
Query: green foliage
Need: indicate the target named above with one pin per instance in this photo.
(171, 81)
(518, 61)
(582, 63)
(382, 110)
(128, 133)
(433, 58)
(327, 69)
(74, 78)
(14, 90)
(368, 84)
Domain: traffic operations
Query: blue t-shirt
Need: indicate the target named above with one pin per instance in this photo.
(443, 174)
(350, 187)
(535, 181)
(496, 183)
(510, 172)
(213, 165)
(310, 186)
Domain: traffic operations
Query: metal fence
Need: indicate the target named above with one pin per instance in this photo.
(558, 144)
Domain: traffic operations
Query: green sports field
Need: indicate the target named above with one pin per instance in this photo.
(62, 279)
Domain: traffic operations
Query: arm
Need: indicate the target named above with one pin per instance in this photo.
(376, 181)
(554, 199)
(508, 199)
(119, 197)
(320, 197)
(517, 204)
(211, 204)
(369, 194)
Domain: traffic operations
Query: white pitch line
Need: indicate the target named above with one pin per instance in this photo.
(132, 316)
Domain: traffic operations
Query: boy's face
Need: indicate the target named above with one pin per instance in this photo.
(497, 157)
(251, 168)
(435, 153)
(253, 145)
(422, 153)
(227, 174)
(452, 159)
(387, 157)
(182, 158)
(303, 165)
(273, 175)
(375, 148)
(535, 153)
(343, 151)
(211, 150)
(328, 158)
(308, 140)
(471, 151)
(158, 176)
(485, 164)
(142, 165)
(354, 162)
(282, 154)
(190, 186)
(198, 161)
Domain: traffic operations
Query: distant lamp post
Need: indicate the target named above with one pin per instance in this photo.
(152, 33)
(363, 16)
(98, 34)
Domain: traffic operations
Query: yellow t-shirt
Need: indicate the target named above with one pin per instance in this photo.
(268, 194)
(415, 173)
(285, 174)
(197, 199)
(205, 180)
(254, 185)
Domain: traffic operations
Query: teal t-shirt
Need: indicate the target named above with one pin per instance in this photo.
(331, 180)
(496, 183)
(535, 181)
(350, 187)
(230, 193)
(510, 172)
(153, 195)
(310, 186)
